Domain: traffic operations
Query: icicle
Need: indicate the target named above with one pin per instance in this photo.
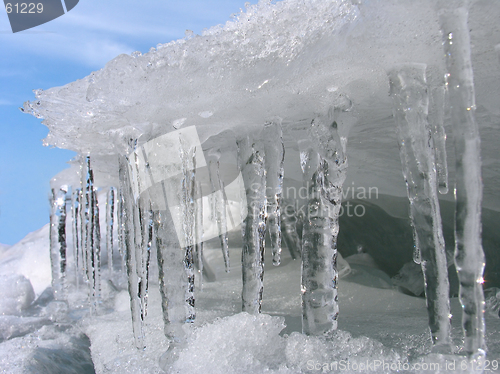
(219, 204)
(96, 250)
(110, 222)
(289, 229)
(83, 207)
(199, 234)
(324, 167)
(58, 241)
(469, 255)
(411, 101)
(129, 215)
(436, 121)
(75, 213)
(188, 207)
(121, 229)
(252, 160)
(145, 253)
(274, 147)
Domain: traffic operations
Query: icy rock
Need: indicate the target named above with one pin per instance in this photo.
(410, 278)
(16, 293)
(14, 326)
(492, 301)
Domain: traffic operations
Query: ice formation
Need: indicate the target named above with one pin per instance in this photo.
(213, 134)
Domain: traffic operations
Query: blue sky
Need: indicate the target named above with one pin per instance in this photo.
(62, 51)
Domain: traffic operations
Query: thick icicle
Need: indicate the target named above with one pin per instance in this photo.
(289, 229)
(58, 241)
(219, 204)
(274, 148)
(469, 255)
(110, 223)
(188, 207)
(252, 161)
(91, 249)
(436, 121)
(130, 228)
(411, 101)
(324, 167)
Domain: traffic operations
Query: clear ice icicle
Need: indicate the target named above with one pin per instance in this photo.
(436, 121)
(469, 255)
(188, 206)
(324, 167)
(96, 252)
(252, 162)
(121, 229)
(272, 136)
(411, 102)
(219, 204)
(91, 236)
(75, 227)
(130, 218)
(58, 241)
(110, 223)
(199, 233)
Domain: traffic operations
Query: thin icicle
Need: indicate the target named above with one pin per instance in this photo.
(58, 241)
(96, 251)
(147, 242)
(121, 229)
(411, 101)
(324, 167)
(469, 255)
(75, 213)
(82, 202)
(110, 223)
(274, 148)
(199, 234)
(219, 204)
(436, 121)
(252, 161)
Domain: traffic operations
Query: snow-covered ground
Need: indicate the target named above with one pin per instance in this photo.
(380, 328)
